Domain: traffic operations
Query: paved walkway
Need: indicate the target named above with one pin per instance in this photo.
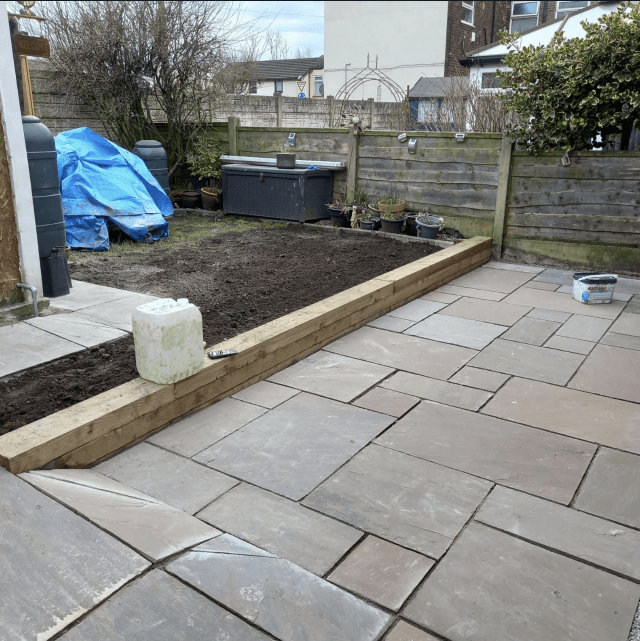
(466, 467)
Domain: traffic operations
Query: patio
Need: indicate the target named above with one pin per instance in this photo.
(464, 467)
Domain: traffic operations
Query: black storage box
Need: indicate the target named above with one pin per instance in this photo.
(268, 192)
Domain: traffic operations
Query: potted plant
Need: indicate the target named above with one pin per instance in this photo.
(429, 226)
(392, 214)
(206, 170)
(340, 214)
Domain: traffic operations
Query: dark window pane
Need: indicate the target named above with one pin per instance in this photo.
(524, 8)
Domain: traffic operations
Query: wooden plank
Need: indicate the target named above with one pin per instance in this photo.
(425, 174)
(259, 142)
(601, 222)
(576, 235)
(233, 135)
(577, 196)
(287, 130)
(604, 170)
(352, 167)
(528, 185)
(432, 184)
(390, 140)
(436, 134)
(584, 209)
(577, 155)
(471, 156)
(502, 196)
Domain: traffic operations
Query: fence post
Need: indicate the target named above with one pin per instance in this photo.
(371, 112)
(332, 107)
(234, 121)
(502, 196)
(279, 110)
(352, 166)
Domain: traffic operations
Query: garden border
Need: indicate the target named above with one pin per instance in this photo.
(88, 431)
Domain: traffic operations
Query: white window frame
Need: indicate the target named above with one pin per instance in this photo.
(315, 79)
(469, 5)
(527, 15)
(275, 86)
(568, 12)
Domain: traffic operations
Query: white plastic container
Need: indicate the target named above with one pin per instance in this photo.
(593, 288)
(167, 335)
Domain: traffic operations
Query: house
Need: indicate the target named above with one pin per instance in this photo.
(288, 77)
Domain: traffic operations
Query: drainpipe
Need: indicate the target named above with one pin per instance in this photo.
(34, 296)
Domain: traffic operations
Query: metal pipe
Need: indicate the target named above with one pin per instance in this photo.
(34, 296)
(255, 160)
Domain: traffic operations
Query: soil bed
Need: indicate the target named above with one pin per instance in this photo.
(240, 274)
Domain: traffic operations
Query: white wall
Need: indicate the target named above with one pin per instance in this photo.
(409, 39)
(18, 165)
(289, 87)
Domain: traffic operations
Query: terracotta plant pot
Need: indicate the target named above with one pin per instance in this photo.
(209, 198)
(395, 209)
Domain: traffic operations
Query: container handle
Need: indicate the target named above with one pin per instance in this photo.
(593, 276)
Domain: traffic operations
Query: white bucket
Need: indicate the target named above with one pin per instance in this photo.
(594, 288)
(167, 335)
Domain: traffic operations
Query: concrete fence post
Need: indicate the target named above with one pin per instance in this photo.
(502, 197)
(352, 166)
(234, 121)
(279, 99)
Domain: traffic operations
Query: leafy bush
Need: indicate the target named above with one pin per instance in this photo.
(204, 159)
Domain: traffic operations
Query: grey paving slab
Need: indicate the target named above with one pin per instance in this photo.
(154, 529)
(409, 353)
(78, 330)
(493, 280)
(404, 631)
(574, 533)
(417, 310)
(533, 284)
(457, 331)
(513, 267)
(199, 430)
(294, 447)
(621, 340)
(440, 297)
(434, 390)
(528, 361)
(54, 565)
(332, 375)
(82, 295)
(612, 371)
(487, 311)
(617, 295)
(23, 346)
(382, 572)
(532, 331)
(391, 323)
(468, 292)
(556, 276)
(572, 345)
(577, 414)
(628, 324)
(633, 306)
(634, 634)
(401, 498)
(158, 607)
(585, 328)
(548, 314)
(265, 394)
(558, 302)
(280, 597)
(611, 487)
(166, 476)
(116, 313)
(480, 378)
(387, 401)
(494, 586)
(628, 285)
(517, 456)
(283, 527)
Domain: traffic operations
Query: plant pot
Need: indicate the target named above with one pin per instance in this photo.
(428, 226)
(286, 161)
(198, 183)
(338, 219)
(176, 197)
(393, 225)
(367, 224)
(209, 198)
(191, 199)
(395, 209)
(412, 227)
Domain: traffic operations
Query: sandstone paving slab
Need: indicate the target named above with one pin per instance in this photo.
(556, 276)
(417, 310)
(282, 598)
(469, 292)
(611, 488)
(524, 458)
(83, 294)
(628, 324)
(116, 313)
(487, 311)
(457, 331)
(332, 375)
(548, 314)
(408, 353)
(401, 498)
(440, 297)
(536, 285)
(532, 331)
(558, 302)
(78, 330)
(435, 390)
(382, 572)
(621, 340)
(166, 476)
(480, 378)
(403, 631)
(617, 295)
(294, 447)
(612, 371)
(54, 565)
(23, 346)
(199, 430)
(577, 414)
(391, 323)
(495, 280)
(158, 607)
(573, 345)
(281, 526)
(585, 328)
(579, 535)
(529, 361)
(387, 401)
(513, 267)
(494, 586)
(265, 394)
(154, 529)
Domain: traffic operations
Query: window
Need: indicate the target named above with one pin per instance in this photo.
(253, 86)
(278, 86)
(565, 8)
(524, 16)
(318, 87)
(490, 81)
(467, 12)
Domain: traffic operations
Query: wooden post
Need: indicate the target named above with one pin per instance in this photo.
(371, 112)
(352, 166)
(27, 93)
(502, 197)
(234, 121)
(279, 110)
(332, 109)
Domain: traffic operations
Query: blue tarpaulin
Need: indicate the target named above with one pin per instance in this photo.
(103, 187)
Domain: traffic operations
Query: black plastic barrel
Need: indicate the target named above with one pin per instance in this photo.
(47, 205)
(155, 158)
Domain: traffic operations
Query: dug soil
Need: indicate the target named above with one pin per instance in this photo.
(239, 274)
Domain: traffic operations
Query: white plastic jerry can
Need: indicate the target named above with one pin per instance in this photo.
(167, 335)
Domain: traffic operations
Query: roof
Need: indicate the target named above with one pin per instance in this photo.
(542, 34)
(434, 87)
(290, 69)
